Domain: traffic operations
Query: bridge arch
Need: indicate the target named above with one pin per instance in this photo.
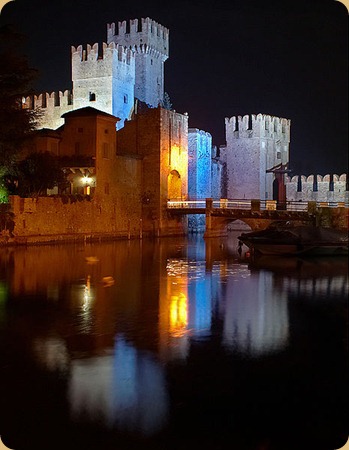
(174, 185)
(218, 226)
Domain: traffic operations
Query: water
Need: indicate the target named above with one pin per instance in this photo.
(171, 344)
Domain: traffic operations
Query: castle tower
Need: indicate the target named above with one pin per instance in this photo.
(255, 144)
(150, 43)
(104, 81)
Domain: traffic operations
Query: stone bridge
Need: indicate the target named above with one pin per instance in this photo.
(258, 214)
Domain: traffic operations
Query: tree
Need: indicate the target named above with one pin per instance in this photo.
(16, 78)
(166, 103)
(37, 173)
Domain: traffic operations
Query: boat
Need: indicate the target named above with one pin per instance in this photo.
(285, 239)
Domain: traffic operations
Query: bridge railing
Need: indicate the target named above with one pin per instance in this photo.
(257, 205)
(178, 203)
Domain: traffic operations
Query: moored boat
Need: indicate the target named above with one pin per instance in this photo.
(286, 239)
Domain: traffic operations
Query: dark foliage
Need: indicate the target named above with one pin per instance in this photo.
(37, 173)
(16, 78)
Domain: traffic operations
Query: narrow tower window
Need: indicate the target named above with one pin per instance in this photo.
(92, 97)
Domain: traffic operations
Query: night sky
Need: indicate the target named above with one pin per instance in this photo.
(286, 58)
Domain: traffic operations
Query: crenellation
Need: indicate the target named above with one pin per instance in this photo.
(122, 28)
(259, 126)
(47, 100)
(321, 191)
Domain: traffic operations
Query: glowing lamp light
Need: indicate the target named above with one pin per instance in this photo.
(86, 179)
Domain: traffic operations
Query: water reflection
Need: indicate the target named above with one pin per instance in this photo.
(312, 278)
(255, 315)
(183, 327)
(127, 389)
(51, 353)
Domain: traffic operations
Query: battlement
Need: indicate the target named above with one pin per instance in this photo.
(92, 53)
(260, 125)
(317, 178)
(327, 188)
(48, 100)
(198, 132)
(144, 36)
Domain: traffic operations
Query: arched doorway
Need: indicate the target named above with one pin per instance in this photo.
(174, 185)
(276, 189)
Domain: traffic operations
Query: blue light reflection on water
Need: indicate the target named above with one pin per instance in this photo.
(137, 357)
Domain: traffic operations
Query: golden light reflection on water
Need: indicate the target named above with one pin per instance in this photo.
(178, 315)
(173, 310)
(113, 343)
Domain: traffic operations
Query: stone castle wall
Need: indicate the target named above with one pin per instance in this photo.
(200, 159)
(51, 106)
(104, 81)
(325, 192)
(149, 41)
(255, 143)
(116, 212)
(109, 77)
(160, 138)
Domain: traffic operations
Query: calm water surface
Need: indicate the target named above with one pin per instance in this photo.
(171, 344)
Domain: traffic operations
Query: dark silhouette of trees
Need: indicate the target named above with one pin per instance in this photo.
(16, 123)
(38, 172)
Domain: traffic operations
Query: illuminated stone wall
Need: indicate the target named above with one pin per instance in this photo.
(199, 152)
(111, 76)
(84, 130)
(116, 213)
(105, 81)
(52, 106)
(323, 193)
(217, 174)
(199, 170)
(160, 138)
(149, 41)
(254, 144)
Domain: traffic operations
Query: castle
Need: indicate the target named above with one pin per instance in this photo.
(122, 83)
(110, 77)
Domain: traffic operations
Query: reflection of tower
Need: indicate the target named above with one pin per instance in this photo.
(185, 302)
(173, 310)
(256, 317)
(128, 392)
(199, 290)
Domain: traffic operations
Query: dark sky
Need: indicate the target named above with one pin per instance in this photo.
(287, 58)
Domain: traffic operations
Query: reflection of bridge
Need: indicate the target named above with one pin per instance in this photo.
(256, 213)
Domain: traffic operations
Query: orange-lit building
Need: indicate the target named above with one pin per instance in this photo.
(126, 175)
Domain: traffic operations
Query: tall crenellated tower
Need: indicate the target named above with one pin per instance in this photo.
(104, 81)
(150, 43)
(255, 144)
